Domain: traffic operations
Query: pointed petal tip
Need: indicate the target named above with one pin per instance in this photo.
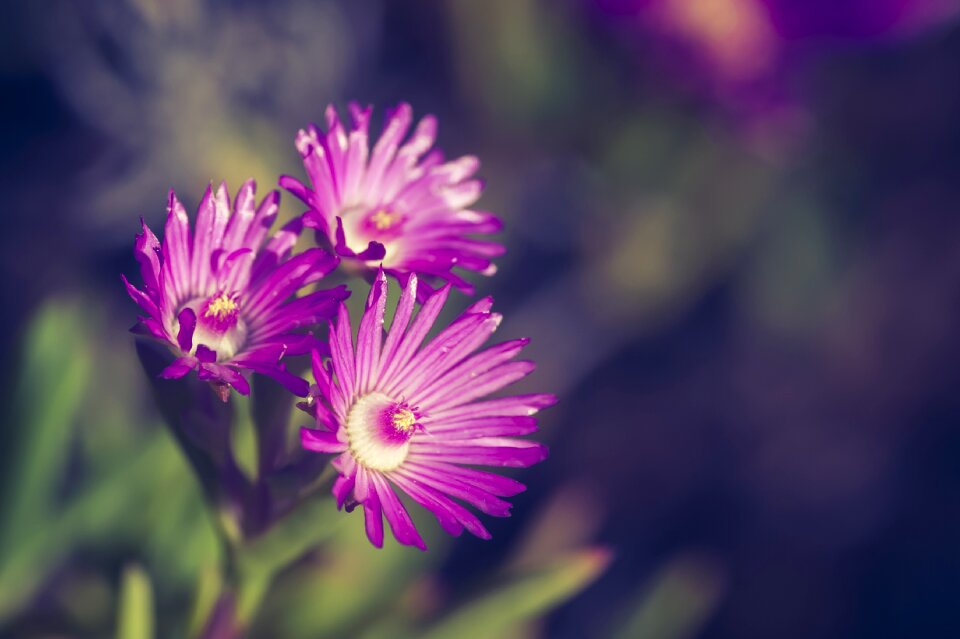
(549, 399)
(403, 109)
(286, 181)
(543, 453)
(174, 206)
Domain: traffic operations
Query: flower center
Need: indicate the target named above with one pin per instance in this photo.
(362, 225)
(223, 308)
(404, 420)
(383, 219)
(219, 325)
(379, 431)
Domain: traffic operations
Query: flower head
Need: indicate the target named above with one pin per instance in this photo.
(404, 415)
(397, 206)
(222, 298)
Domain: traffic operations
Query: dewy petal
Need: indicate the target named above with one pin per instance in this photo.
(341, 349)
(484, 427)
(147, 252)
(370, 333)
(473, 495)
(441, 510)
(202, 243)
(418, 331)
(448, 348)
(302, 312)
(373, 520)
(283, 281)
(483, 384)
(469, 369)
(514, 453)
(390, 440)
(491, 482)
(398, 327)
(397, 516)
(141, 298)
(175, 251)
(516, 405)
(245, 208)
(277, 249)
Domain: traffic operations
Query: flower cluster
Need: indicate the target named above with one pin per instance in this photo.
(399, 411)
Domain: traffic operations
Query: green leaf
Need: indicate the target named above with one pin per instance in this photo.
(243, 438)
(524, 598)
(350, 585)
(135, 611)
(98, 509)
(271, 407)
(680, 600)
(209, 584)
(56, 366)
(311, 523)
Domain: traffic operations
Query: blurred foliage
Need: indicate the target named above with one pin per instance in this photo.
(135, 605)
(331, 563)
(521, 599)
(677, 603)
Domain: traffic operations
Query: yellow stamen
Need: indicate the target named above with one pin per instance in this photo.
(221, 307)
(383, 219)
(404, 420)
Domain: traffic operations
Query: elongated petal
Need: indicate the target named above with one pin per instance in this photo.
(321, 441)
(397, 516)
(370, 333)
(179, 368)
(373, 520)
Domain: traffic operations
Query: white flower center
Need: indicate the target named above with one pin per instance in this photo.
(379, 431)
(219, 325)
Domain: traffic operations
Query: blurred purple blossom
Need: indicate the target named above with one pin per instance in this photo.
(750, 55)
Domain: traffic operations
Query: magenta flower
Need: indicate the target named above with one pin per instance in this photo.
(222, 299)
(406, 417)
(399, 206)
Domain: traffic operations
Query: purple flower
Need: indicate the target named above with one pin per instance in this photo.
(399, 206)
(405, 417)
(749, 53)
(222, 299)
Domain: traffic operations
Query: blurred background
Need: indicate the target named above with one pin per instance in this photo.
(733, 234)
